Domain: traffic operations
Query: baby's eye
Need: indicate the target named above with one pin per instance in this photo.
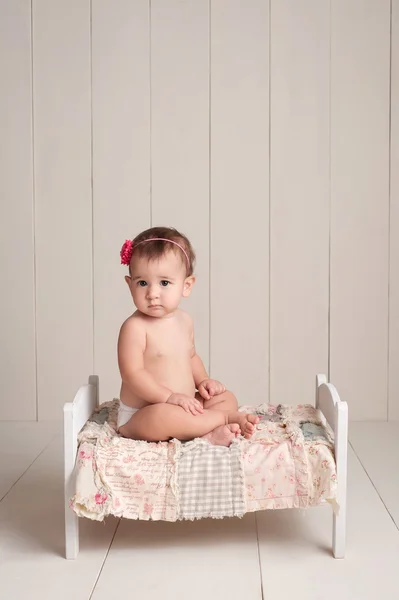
(165, 283)
(142, 283)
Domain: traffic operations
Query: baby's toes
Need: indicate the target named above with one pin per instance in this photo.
(253, 419)
(234, 428)
(249, 429)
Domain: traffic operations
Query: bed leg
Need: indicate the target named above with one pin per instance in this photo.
(71, 534)
(339, 533)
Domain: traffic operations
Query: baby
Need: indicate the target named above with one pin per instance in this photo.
(166, 392)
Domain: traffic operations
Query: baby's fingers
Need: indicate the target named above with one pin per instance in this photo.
(219, 389)
(204, 392)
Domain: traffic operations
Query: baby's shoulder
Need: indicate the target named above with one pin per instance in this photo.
(134, 323)
(186, 318)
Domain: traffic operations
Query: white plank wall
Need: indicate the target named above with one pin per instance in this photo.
(180, 137)
(17, 313)
(121, 166)
(62, 153)
(239, 293)
(360, 61)
(299, 197)
(393, 406)
(258, 128)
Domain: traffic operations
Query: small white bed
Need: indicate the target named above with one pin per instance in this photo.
(296, 459)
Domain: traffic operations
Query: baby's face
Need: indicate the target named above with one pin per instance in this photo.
(157, 286)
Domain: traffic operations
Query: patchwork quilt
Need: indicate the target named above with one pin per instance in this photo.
(288, 463)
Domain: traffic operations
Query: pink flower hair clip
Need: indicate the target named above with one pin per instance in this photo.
(126, 252)
(128, 246)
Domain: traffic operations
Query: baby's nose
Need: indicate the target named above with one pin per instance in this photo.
(152, 291)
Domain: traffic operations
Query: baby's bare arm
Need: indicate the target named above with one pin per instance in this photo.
(131, 347)
(199, 371)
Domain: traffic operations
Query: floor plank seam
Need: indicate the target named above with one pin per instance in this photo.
(372, 483)
(27, 468)
(104, 561)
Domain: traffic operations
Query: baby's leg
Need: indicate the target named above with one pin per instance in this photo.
(226, 401)
(160, 422)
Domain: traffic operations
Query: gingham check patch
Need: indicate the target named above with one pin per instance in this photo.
(210, 480)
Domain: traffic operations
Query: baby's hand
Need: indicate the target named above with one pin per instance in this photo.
(210, 387)
(189, 404)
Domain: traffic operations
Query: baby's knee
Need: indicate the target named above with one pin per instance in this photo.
(148, 424)
(224, 401)
(230, 399)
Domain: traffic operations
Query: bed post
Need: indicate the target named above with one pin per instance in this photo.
(341, 458)
(71, 519)
(336, 413)
(76, 414)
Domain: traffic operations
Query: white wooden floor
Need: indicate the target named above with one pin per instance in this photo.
(282, 554)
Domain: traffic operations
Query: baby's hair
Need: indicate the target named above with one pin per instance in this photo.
(153, 250)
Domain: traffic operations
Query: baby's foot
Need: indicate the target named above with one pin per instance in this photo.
(223, 435)
(245, 421)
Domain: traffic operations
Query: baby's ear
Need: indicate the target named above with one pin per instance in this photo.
(128, 280)
(188, 285)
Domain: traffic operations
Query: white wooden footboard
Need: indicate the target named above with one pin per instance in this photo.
(336, 414)
(76, 414)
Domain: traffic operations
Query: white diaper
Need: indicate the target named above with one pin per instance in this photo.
(125, 413)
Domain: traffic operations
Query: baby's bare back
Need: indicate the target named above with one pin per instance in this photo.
(167, 356)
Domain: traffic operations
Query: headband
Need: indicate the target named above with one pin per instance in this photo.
(128, 247)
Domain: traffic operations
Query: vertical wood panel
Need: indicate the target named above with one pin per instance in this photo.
(121, 166)
(17, 312)
(62, 117)
(180, 137)
(359, 204)
(393, 409)
(240, 197)
(299, 197)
